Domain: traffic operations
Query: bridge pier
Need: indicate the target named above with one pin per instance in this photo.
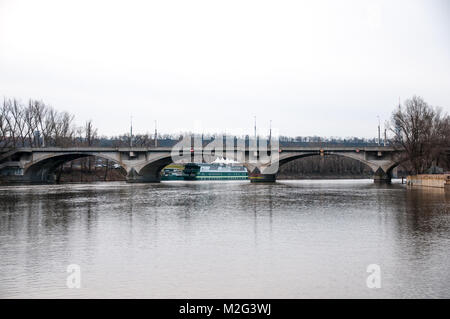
(380, 176)
(263, 178)
(134, 177)
(142, 179)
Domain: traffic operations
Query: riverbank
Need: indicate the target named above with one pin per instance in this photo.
(429, 180)
(95, 175)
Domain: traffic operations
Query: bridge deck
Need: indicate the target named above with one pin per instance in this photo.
(169, 149)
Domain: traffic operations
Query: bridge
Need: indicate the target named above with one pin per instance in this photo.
(38, 165)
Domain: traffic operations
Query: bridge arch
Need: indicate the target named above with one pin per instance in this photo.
(42, 169)
(284, 159)
(376, 168)
(149, 171)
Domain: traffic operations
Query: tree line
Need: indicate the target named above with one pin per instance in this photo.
(36, 124)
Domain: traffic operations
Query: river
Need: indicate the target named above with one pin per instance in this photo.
(291, 239)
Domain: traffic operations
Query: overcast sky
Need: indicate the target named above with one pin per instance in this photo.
(323, 68)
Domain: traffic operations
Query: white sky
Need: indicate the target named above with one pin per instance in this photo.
(323, 68)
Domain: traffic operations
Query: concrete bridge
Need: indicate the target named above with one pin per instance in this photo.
(38, 165)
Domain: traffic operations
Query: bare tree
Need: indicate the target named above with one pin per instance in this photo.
(10, 123)
(31, 124)
(40, 113)
(18, 115)
(63, 129)
(421, 131)
(5, 129)
(91, 135)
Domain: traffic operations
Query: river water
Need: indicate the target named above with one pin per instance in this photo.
(292, 239)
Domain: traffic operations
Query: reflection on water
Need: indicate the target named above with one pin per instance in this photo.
(292, 239)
